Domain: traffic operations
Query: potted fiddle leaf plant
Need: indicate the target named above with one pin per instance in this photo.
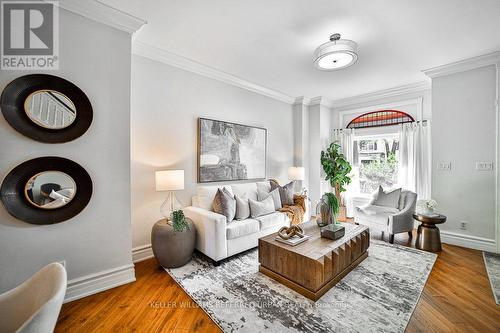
(336, 169)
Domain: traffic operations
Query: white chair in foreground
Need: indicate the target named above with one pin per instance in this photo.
(34, 305)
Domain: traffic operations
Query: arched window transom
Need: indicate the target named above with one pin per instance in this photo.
(380, 118)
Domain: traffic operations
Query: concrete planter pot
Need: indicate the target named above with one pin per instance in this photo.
(172, 249)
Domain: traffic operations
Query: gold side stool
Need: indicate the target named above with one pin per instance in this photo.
(428, 237)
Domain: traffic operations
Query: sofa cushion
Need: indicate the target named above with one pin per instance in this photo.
(373, 210)
(264, 186)
(250, 189)
(206, 195)
(271, 220)
(259, 208)
(387, 199)
(275, 194)
(242, 207)
(237, 229)
(381, 219)
(225, 204)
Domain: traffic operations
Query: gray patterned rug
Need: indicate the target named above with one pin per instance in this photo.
(377, 296)
(492, 263)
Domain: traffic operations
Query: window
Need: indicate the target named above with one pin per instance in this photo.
(375, 162)
(380, 118)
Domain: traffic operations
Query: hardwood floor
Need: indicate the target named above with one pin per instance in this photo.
(456, 298)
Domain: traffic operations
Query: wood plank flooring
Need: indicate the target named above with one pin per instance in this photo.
(456, 298)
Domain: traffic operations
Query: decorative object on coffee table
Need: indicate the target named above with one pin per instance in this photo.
(169, 180)
(170, 247)
(333, 231)
(337, 170)
(314, 267)
(295, 230)
(428, 237)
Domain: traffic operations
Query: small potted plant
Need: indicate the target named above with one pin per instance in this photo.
(427, 206)
(179, 223)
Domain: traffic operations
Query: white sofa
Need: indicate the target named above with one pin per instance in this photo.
(219, 239)
(389, 220)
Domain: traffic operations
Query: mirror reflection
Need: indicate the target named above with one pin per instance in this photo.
(50, 189)
(50, 109)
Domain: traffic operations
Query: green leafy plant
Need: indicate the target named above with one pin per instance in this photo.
(179, 222)
(336, 169)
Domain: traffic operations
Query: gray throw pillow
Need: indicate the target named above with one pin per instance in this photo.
(225, 204)
(286, 192)
(242, 207)
(387, 199)
(275, 194)
(259, 208)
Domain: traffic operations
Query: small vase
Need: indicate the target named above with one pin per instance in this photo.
(428, 211)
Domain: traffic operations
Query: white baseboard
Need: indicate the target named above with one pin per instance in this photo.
(142, 253)
(471, 242)
(94, 283)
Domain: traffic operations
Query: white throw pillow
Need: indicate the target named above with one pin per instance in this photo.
(259, 208)
(275, 194)
(387, 199)
(206, 195)
(242, 207)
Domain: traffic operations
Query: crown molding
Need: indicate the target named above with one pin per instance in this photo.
(302, 100)
(102, 13)
(416, 87)
(463, 65)
(164, 56)
(320, 100)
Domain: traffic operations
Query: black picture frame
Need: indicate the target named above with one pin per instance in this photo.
(15, 94)
(12, 191)
(200, 179)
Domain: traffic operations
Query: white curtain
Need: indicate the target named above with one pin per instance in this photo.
(345, 139)
(414, 166)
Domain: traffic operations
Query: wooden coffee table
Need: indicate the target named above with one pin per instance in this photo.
(313, 267)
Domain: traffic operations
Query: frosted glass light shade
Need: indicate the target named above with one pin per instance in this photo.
(336, 54)
(296, 173)
(169, 180)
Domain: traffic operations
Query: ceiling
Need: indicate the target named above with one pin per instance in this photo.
(271, 43)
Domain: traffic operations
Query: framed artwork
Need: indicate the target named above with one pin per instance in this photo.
(229, 151)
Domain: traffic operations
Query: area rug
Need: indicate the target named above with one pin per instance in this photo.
(492, 263)
(377, 296)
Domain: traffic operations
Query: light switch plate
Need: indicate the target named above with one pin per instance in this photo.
(484, 166)
(444, 166)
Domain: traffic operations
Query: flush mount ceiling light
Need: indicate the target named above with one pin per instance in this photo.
(335, 54)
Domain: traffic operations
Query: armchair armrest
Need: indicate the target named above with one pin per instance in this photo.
(402, 221)
(211, 232)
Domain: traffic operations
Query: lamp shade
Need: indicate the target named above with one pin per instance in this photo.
(296, 173)
(169, 180)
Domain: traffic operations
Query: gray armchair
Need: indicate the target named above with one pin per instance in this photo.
(389, 220)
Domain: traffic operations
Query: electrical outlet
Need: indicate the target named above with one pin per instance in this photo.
(444, 166)
(63, 262)
(463, 225)
(484, 166)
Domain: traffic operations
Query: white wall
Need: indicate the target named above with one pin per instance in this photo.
(463, 133)
(166, 103)
(97, 59)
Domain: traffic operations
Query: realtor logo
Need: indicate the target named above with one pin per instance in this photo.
(29, 36)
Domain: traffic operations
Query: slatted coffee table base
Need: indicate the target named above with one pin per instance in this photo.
(309, 293)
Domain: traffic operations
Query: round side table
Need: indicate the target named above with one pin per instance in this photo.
(172, 249)
(428, 237)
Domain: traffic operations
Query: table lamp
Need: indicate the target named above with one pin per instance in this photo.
(169, 180)
(296, 173)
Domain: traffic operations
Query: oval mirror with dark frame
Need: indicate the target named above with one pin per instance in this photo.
(46, 108)
(46, 190)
